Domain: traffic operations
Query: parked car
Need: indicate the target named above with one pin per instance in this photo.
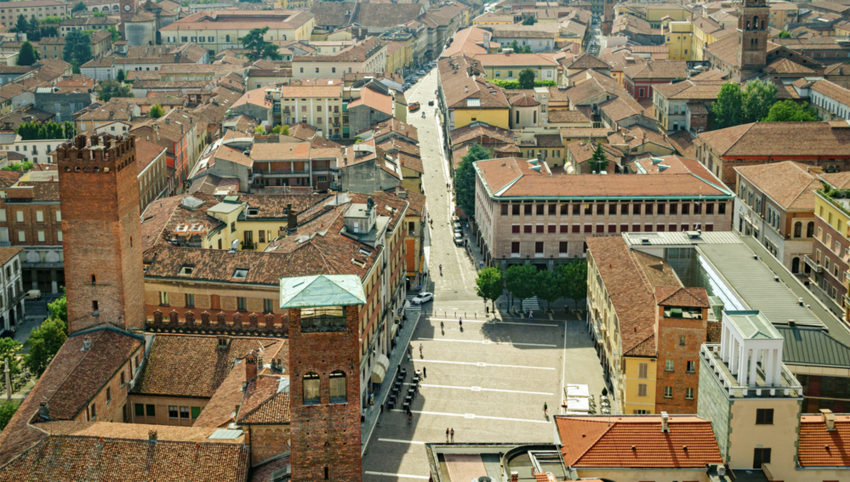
(413, 106)
(457, 227)
(33, 295)
(431, 102)
(458, 239)
(422, 298)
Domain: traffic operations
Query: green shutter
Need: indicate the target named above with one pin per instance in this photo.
(140, 410)
(196, 411)
(151, 410)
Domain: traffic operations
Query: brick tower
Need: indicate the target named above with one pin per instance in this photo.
(324, 372)
(99, 192)
(752, 37)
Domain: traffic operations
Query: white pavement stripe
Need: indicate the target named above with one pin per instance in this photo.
(552, 325)
(400, 476)
(486, 342)
(472, 416)
(411, 442)
(482, 364)
(479, 389)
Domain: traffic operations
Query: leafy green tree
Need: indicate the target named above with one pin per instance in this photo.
(75, 66)
(280, 129)
(521, 281)
(121, 76)
(9, 348)
(548, 288)
(115, 33)
(525, 49)
(529, 20)
(27, 55)
(44, 342)
(112, 88)
(758, 97)
(22, 25)
(79, 7)
(51, 20)
(156, 111)
(98, 14)
(59, 308)
(49, 31)
(34, 30)
(7, 410)
(784, 34)
(489, 284)
(790, 111)
(260, 130)
(258, 47)
(465, 178)
(573, 280)
(599, 160)
(727, 110)
(77, 47)
(526, 79)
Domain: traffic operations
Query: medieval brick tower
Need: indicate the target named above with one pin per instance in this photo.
(752, 37)
(324, 372)
(99, 192)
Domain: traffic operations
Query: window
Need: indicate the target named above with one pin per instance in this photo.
(241, 304)
(109, 393)
(540, 208)
(39, 216)
(172, 411)
(515, 229)
(163, 298)
(643, 370)
(689, 394)
(538, 247)
(635, 208)
(190, 300)
(515, 247)
(668, 365)
(692, 367)
(337, 387)
(563, 247)
(539, 229)
(668, 392)
(196, 412)
(150, 410)
(59, 236)
(642, 389)
(140, 410)
(515, 209)
(761, 456)
(686, 208)
(19, 216)
(682, 340)
(311, 389)
(526, 209)
(40, 235)
(764, 416)
(674, 209)
(551, 229)
(661, 208)
(504, 209)
(184, 412)
(526, 228)
(637, 412)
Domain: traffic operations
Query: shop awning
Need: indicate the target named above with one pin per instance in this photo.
(378, 373)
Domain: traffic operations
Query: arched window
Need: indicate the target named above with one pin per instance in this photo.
(798, 229)
(755, 23)
(227, 38)
(795, 265)
(337, 386)
(93, 280)
(748, 24)
(762, 24)
(810, 229)
(312, 395)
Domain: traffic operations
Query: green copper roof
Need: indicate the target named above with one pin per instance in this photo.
(812, 346)
(322, 290)
(753, 325)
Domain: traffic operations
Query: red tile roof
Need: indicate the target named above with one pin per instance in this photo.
(788, 183)
(637, 442)
(266, 401)
(375, 100)
(679, 296)
(819, 447)
(781, 139)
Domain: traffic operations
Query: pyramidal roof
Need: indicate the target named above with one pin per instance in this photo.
(321, 290)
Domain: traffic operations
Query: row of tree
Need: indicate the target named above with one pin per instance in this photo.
(756, 102)
(34, 29)
(525, 281)
(30, 131)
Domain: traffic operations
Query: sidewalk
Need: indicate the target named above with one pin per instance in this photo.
(397, 356)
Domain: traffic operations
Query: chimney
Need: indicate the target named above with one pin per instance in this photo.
(86, 342)
(291, 217)
(44, 411)
(665, 427)
(829, 418)
(514, 476)
(152, 436)
(250, 366)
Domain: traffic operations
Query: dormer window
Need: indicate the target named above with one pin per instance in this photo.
(253, 211)
(240, 274)
(187, 270)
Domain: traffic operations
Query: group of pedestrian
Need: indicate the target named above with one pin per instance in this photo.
(450, 435)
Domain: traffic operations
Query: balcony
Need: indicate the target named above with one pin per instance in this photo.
(846, 301)
(275, 174)
(817, 268)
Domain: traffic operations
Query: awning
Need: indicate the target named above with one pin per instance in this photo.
(395, 330)
(378, 373)
(383, 361)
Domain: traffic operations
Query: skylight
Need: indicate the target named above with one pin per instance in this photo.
(240, 274)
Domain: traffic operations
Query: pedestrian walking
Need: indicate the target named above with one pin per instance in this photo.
(420, 350)
(531, 313)
(545, 408)
(460, 322)
(447, 435)
(453, 435)
(442, 326)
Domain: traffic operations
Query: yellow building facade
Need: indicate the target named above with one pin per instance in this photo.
(678, 36)
(494, 117)
(640, 385)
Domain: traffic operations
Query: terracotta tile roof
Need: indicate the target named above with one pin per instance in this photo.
(266, 401)
(375, 100)
(467, 42)
(241, 19)
(478, 132)
(691, 90)
(255, 97)
(411, 162)
(833, 91)
(7, 253)
(121, 451)
(395, 145)
(548, 140)
(416, 203)
(683, 142)
(592, 89)
(658, 70)
(622, 107)
(681, 296)
(461, 89)
(395, 126)
(780, 139)
(786, 66)
(586, 61)
(360, 52)
(195, 366)
(582, 151)
(637, 442)
(330, 91)
(382, 15)
(331, 14)
(523, 100)
(8, 178)
(819, 447)
(146, 152)
(638, 135)
(518, 60)
(787, 183)
(72, 379)
(235, 156)
(220, 411)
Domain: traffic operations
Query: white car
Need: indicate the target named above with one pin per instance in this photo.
(458, 239)
(422, 298)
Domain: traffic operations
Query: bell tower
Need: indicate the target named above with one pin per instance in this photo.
(99, 193)
(752, 37)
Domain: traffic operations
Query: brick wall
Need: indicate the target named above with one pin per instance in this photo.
(668, 339)
(111, 402)
(325, 436)
(268, 441)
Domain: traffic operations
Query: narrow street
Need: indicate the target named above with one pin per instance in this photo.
(486, 379)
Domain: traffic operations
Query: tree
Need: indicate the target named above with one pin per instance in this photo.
(489, 284)
(573, 280)
(49, 31)
(77, 47)
(521, 281)
(529, 20)
(727, 109)
(784, 34)
(758, 97)
(525, 49)
(121, 76)
(599, 161)
(98, 14)
(34, 30)
(44, 342)
(7, 410)
(115, 33)
(280, 129)
(27, 55)
(790, 111)
(48, 130)
(156, 112)
(526, 79)
(112, 88)
(548, 288)
(59, 308)
(258, 47)
(22, 25)
(51, 20)
(260, 130)
(9, 349)
(465, 178)
(79, 7)
(75, 66)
